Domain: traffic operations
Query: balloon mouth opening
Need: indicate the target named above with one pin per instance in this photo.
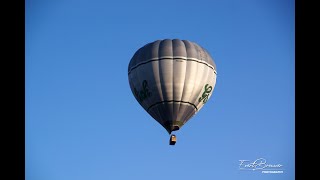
(172, 126)
(175, 128)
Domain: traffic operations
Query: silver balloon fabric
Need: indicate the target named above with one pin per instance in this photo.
(172, 80)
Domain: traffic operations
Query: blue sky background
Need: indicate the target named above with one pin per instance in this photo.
(82, 121)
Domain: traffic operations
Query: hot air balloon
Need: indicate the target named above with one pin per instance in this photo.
(172, 80)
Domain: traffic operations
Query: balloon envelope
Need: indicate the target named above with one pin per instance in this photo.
(172, 80)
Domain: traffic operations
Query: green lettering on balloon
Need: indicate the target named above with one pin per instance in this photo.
(144, 93)
(205, 95)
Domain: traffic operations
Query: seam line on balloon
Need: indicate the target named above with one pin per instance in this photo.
(173, 101)
(172, 58)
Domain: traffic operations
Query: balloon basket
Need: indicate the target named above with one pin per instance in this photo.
(173, 139)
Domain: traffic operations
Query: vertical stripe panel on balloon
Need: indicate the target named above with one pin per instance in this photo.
(147, 73)
(166, 73)
(156, 57)
(179, 74)
(201, 73)
(139, 76)
(157, 92)
(192, 54)
(190, 78)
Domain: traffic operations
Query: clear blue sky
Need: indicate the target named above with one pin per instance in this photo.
(82, 121)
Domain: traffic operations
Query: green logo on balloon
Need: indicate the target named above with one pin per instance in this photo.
(205, 95)
(143, 93)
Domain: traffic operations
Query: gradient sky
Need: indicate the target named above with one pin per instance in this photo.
(83, 123)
